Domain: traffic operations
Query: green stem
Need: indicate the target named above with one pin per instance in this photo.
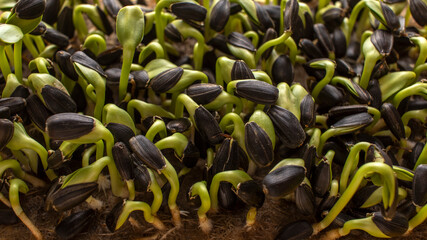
(18, 172)
(418, 219)
(182, 101)
(253, 36)
(158, 127)
(330, 70)
(178, 142)
(238, 127)
(233, 176)
(131, 206)
(419, 69)
(172, 177)
(353, 17)
(95, 43)
(367, 169)
(16, 186)
(200, 189)
(371, 58)
(157, 193)
(271, 43)
(124, 74)
(421, 42)
(9, 53)
(39, 43)
(422, 159)
(419, 88)
(226, 99)
(86, 155)
(17, 58)
(147, 50)
(351, 163)
(421, 115)
(30, 46)
(4, 63)
(99, 149)
(147, 110)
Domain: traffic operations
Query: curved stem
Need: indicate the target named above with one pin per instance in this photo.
(330, 70)
(271, 43)
(157, 193)
(351, 163)
(146, 109)
(418, 219)
(16, 186)
(95, 43)
(86, 155)
(172, 177)
(371, 58)
(17, 59)
(158, 127)
(421, 42)
(18, 172)
(418, 88)
(223, 99)
(233, 176)
(353, 17)
(367, 169)
(178, 142)
(183, 100)
(200, 189)
(414, 114)
(131, 206)
(147, 50)
(238, 127)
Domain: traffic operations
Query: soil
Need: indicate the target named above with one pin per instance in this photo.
(227, 224)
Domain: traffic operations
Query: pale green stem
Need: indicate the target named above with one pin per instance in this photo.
(131, 206)
(351, 163)
(157, 193)
(4, 63)
(418, 219)
(238, 127)
(172, 177)
(226, 99)
(178, 142)
(124, 74)
(419, 88)
(253, 36)
(39, 43)
(200, 189)
(9, 53)
(158, 127)
(99, 149)
(330, 70)
(271, 43)
(86, 155)
(368, 66)
(421, 42)
(147, 50)
(233, 176)
(353, 17)
(30, 46)
(16, 186)
(414, 114)
(184, 100)
(367, 169)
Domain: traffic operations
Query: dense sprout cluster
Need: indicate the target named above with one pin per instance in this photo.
(321, 103)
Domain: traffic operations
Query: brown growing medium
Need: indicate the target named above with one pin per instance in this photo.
(227, 224)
